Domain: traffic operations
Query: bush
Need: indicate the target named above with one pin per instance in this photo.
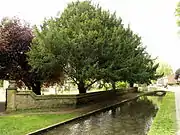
(121, 85)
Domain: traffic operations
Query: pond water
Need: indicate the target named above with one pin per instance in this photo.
(132, 118)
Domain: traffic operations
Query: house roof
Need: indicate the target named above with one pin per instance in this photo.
(171, 78)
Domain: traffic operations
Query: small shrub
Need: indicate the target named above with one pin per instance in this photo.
(121, 85)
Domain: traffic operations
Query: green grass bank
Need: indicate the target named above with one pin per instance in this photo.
(165, 120)
(21, 124)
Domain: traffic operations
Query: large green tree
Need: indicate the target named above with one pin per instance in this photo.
(142, 67)
(136, 65)
(88, 44)
(143, 71)
(125, 56)
(77, 42)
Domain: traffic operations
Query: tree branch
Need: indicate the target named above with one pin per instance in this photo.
(91, 84)
(73, 78)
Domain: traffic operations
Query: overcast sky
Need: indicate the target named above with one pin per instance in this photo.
(153, 20)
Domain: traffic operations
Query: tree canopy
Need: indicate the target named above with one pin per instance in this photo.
(89, 44)
(144, 70)
(15, 41)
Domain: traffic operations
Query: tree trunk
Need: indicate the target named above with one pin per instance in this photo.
(81, 87)
(113, 85)
(36, 88)
(113, 112)
(131, 84)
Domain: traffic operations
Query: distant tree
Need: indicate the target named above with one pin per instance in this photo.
(177, 74)
(178, 13)
(15, 40)
(165, 69)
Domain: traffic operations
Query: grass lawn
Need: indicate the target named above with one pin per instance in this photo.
(165, 120)
(21, 124)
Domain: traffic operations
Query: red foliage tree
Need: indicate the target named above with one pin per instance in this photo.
(15, 40)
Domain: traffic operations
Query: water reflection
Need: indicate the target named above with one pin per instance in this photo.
(133, 118)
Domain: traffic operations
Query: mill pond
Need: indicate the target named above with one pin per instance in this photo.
(131, 118)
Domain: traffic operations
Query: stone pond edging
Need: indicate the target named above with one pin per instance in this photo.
(43, 130)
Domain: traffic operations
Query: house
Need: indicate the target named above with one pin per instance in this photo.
(166, 80)
(162, 81)
(171, 79)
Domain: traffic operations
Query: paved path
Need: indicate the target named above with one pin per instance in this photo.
(2, 95)
(2, 107)
(2, 100)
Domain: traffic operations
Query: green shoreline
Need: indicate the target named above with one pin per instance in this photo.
(165, 121)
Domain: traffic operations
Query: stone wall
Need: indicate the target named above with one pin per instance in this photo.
(28, 100)
(95, 97)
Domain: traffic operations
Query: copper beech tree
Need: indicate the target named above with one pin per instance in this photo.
(15, 40)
